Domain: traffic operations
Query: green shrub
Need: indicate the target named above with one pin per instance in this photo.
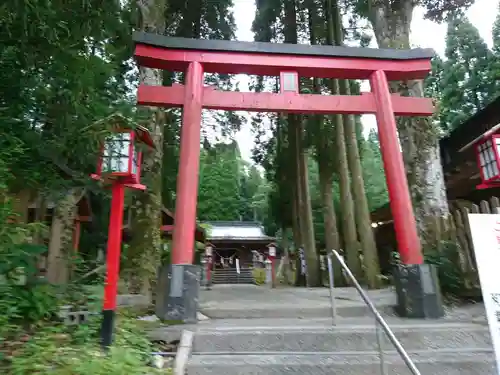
(29, 304)
(74, 350)
(451, 278)
(259, 275)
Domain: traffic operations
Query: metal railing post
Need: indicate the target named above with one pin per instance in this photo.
(380, 321)
(380, 345)
(332, 289)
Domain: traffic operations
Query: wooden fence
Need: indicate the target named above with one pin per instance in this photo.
(455, 229)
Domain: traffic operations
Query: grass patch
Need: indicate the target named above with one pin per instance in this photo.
(56, 349)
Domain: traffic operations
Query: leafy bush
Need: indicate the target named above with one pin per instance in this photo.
(451, 278)
(259, 275)
(60, 350)
(30, 303)
(24, 299)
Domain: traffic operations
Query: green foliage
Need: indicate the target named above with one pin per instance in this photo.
(373, 172)
(64, 350)
(251, 199)
(62, 65)
(495, 64)
(259, 275)
(219, 191)
(447, 262)
(466, 85)
(230, 190)
(436, 10)
(29, 304)
(24, 299)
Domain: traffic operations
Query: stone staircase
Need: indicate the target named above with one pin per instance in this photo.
(231, 276)
(261, 331)
(348, 349)
(255, 330)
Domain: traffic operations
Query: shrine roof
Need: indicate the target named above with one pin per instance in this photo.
(178, 43)
(237, 231)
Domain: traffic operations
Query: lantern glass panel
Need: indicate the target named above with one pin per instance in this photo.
(135, 162)
(116, 153)
(487, 159)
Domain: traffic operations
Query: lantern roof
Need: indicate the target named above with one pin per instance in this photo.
(119, 121)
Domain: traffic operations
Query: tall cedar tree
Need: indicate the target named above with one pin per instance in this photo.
(391, 22)
(361, 212)
(143, 255)
(466, 80)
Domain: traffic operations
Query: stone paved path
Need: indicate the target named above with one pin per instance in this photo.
(251, 304)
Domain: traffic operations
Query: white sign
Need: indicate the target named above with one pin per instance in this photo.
(485, 233)
(238, 266)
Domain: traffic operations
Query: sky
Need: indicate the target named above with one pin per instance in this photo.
(425, 34)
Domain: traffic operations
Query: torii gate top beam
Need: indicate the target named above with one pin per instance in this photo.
(270, 59)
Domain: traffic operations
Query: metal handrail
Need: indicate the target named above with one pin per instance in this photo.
(380, 322)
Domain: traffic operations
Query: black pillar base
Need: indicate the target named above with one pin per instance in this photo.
(177, 293)
(418, 292)
(108, 319)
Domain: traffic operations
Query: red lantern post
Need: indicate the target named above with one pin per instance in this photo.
(208, 256)
(272, 257)
(119, 165)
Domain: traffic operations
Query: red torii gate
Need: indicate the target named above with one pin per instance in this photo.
(195, 57)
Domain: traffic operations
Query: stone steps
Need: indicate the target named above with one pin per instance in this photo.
(295, 311)
(231, 276)
(341, 338)
(474, 362)
(256, 331)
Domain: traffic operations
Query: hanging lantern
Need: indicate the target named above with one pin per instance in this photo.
(121, 153)
(488, 159)
(208, 251)
(271, 250)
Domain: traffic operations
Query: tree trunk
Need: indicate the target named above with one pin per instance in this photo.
(20, 205)
(304, 204)
(313, 269)
(286, 256)
(300, 280)
(346, 202)
(61, 237)
(40, 214)
(419, 137)
(143, 255)
(324, 159)
(332, 241)
(361, 211)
